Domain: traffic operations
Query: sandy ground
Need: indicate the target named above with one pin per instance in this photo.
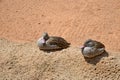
(23, 21)
(75, 20)
(27, 62)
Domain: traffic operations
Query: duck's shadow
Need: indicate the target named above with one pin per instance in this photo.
(96, 59)
(48, 51)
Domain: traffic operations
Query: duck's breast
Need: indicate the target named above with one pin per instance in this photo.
(89, 51)
(40, 42)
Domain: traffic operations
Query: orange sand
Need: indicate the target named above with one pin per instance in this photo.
(75, 20)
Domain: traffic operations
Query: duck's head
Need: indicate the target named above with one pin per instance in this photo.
(45, 36)
(89, 43)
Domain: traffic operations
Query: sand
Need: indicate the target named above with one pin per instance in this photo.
(27, 62)
(75, 20)
(22, 22)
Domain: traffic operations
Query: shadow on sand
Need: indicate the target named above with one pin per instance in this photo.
(96, 59)
(54, 50)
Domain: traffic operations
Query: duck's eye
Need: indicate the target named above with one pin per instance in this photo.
(46, 37)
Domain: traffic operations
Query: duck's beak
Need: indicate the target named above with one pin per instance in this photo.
(82, 47)
(43, 41)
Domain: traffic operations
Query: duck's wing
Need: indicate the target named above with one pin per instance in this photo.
(58, 41)
(99, 44)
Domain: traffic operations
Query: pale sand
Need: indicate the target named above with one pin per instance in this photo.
(27, 62)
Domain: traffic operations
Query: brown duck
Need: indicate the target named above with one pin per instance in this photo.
(92, 48)
(47, 42)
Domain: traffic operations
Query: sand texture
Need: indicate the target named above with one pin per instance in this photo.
(22, 22)
(27, 62)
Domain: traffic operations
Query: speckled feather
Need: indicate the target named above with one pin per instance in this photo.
(59, 41)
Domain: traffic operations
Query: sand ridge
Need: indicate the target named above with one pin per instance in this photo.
(27, 62)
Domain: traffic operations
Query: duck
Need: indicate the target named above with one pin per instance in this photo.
(92, 48)
(46, 42)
